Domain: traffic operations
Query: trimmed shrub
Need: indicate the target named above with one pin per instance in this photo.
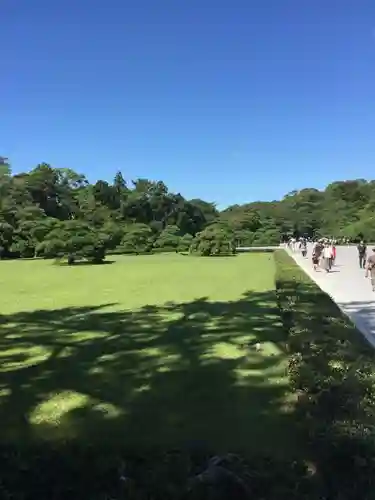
(213, 241)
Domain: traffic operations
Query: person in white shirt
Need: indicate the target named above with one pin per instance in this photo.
(330, 246)
(327, 257)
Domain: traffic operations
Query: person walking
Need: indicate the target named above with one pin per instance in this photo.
(362, 250)
(370, 268)
(316, 253)
(299, 245)
(327, 258)
(333, 252)
(304, 248)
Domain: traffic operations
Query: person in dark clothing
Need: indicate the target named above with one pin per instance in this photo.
(316, 253)
(362, 250)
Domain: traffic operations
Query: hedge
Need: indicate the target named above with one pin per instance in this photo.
(331, 370)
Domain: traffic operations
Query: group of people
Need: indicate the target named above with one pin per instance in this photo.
(324, 254)
(367, 263)
(323, 251)
(298, 244)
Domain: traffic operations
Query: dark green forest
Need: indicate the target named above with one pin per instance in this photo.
(51, 212)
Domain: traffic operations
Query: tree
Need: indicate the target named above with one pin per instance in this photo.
(137, 239)
(213, 241)
(74, 240)
(207, 209)
(5, 170)
(106, 195)
(113, 233)
(147, 215)
(119, 183)
(185, 243)
(6, 238)
(42, 184)
(169, 238)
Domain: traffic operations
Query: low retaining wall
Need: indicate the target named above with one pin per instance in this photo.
(256, 249)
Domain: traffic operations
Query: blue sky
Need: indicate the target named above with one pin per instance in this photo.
(229, 101)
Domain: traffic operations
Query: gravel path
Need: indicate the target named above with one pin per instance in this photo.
(347, 286)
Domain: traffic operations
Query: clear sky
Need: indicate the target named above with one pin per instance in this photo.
(227, 100)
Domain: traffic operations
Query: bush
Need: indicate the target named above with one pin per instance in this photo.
(168, 238)
(138, 239)
(23, 248)
(331, 370)
(214, 240)
(185, 243)
(74, 240)
(50, 248)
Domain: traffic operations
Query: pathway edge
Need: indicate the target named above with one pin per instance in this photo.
(358, 323)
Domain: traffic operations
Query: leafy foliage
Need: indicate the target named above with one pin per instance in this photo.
(75, 239)
(185, 242)
(169, 238)
(54, 212)
(31, 204)
(138, 239)
(344, 208)
(217, 239)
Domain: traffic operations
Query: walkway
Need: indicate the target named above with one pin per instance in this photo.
(348, 287)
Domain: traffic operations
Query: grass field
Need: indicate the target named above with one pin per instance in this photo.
(147, 351)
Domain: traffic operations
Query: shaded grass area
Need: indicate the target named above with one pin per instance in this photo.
(167, 374)
(161, 376)
(114, 380)
(93, 389)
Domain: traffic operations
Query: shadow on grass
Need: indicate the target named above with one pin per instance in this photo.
(188, 377)
(84, 263)
(180, 375)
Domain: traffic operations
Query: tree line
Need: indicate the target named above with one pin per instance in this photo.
(54, 212)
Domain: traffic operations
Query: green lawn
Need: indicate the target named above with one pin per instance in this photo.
(145, 351)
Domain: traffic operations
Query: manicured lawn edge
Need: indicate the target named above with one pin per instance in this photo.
(331, 370)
